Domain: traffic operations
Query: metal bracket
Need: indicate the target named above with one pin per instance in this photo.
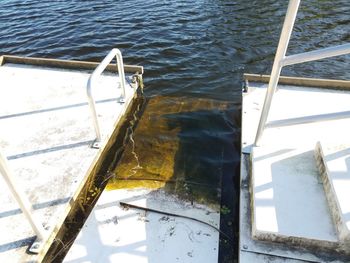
(39, 243)
(37, 246)
(96, 144)
(121, 100)
(245, 85)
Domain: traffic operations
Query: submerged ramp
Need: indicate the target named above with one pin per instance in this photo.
(47, 133)
(160, 205)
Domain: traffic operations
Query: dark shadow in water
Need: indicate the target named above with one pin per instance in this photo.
(204, 146)
(207, 154)
(188, 145)
(191, 146)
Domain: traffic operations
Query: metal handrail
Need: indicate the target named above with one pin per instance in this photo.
(97, 72)
(7, 173)
(281, 60)
(21, 199)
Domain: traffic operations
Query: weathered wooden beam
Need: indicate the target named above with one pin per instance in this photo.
(68, 64)
(298, 81)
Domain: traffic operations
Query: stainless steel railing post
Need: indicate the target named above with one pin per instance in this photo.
(277, 67)
(21, 199)
(97, 72)
(316, 55)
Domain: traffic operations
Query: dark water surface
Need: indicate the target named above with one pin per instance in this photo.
(190, 50)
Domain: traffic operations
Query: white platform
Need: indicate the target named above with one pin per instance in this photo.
(46, 131)
(114, 234)
(289, 208)
(288, 200)
(256, 251)
(295, 104)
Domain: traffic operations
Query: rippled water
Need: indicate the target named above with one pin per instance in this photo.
(190, 49)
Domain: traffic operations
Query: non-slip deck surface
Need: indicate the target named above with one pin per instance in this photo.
(116, 234)
(287, 197)
(45, 132)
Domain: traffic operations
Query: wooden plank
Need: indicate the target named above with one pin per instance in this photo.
(298, 81)
(67, 64)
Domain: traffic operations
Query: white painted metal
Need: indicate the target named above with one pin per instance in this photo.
(281, 61)
(21, 199)
(276, 69)
(316, 55)
(309, 119)
(97, 72)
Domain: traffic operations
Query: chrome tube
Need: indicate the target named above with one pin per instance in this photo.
(97, 72)
(21, 199)
(316, 55)
(276, 68)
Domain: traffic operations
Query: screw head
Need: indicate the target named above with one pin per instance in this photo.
(245, 247)
(35, 246)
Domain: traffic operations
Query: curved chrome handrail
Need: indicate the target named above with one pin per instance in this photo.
(97, 72)
(13, 184)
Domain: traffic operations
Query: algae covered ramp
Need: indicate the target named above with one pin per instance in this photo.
(162, 172)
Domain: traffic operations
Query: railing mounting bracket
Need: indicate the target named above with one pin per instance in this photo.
(96, 144)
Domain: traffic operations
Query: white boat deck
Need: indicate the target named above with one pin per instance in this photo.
(288, 213)
(46, 132)
(115, 234)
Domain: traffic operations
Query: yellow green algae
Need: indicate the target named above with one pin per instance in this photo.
(164, 150)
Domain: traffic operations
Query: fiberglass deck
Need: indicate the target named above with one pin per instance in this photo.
(46, 134)
(294, 206)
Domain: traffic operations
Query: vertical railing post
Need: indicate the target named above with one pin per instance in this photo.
(97, 72)
(121, 73)
(277, 66)
(92, 106)
(21, 199)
